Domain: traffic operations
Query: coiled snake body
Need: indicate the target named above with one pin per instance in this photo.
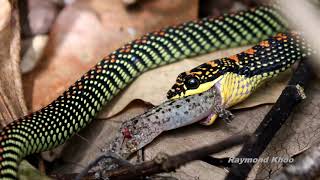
(77, 106)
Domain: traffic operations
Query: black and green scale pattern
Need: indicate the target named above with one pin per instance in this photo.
(72, 111)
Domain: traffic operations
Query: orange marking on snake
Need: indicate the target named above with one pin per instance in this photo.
(250, 51)
(281, 36)
(234, 58)
(264, 43)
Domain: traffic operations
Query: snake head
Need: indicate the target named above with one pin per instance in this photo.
(184, 82)
(197, 80)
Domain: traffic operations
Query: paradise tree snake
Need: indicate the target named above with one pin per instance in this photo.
(76, 107)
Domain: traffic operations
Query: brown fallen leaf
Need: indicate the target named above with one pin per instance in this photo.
(73, 47)
(86, 31)
(38, 16)
(5, 13)
(27, 172)
(33, 51)
(12, 104)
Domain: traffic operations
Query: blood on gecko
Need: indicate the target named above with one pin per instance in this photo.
(126, 133)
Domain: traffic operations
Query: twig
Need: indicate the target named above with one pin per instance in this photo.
(273, 121)
(112, 156)
(219, 162)
(165, 163)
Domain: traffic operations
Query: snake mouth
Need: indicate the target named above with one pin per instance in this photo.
(212, 114)
(211, 118)
(171, 94)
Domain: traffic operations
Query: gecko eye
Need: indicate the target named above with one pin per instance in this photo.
(192, 83)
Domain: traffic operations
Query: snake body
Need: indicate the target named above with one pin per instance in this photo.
(76, 107)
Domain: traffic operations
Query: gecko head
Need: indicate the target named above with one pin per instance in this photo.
(195, 81)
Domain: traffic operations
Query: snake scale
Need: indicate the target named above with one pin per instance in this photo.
(77, 106)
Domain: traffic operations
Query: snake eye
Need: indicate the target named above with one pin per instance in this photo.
(192, 83)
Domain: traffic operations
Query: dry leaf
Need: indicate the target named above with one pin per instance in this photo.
(33, 52)
(5, 13)
(86, 31)
(27, 172)
(39, 16)
(12, 104)
(73, 47)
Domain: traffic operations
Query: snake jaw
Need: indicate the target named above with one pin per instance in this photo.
(214, 114)
(174, 94)
(209, 120)
(225, 95)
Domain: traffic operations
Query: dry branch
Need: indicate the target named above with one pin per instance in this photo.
(277, 116)
(165, 163)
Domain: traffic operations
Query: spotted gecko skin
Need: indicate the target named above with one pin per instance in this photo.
(77, 106)
(142, 129)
